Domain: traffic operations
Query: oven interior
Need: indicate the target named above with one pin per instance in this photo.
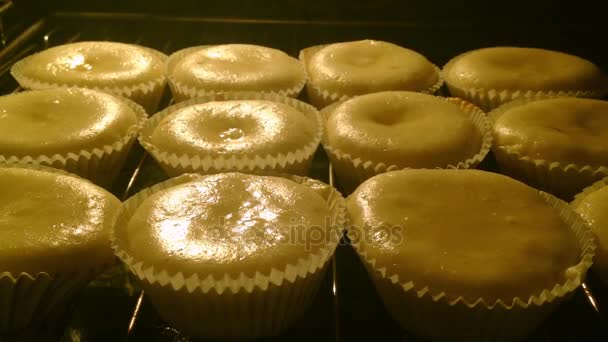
(347, 308)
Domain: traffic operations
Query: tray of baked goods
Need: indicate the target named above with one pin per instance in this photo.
(191, 179)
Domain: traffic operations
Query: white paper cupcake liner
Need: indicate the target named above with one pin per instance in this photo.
(600, 265)
(233, 305)
(294, 162)
(489, 99)
(147, 94)
(182, 91)
(28, 299)
(442, 317)
(560, 179)
(100, 165)
(352, 170)
(320, 98)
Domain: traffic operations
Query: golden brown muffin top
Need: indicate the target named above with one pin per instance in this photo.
(238, 67)
(402, 128)
(467, 233)
(516, 68)
(61, 120)
(593, 208)
(93, 64)
(366, 66)
(565, 130)
(53, 223)
(227, 224)
(236, 127)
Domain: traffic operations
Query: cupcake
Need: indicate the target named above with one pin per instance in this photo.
(245, 132)
(467, 255)
(128, 70)
(386, 131)
(230, 255)
(54, 239)
(559, 145)
(492, 76)
(343, 70)
(592, 205)
(82, 131)
(210, 69)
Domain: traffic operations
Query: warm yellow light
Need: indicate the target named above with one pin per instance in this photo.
(77, 62)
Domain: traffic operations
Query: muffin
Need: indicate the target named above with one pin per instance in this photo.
(245, 132)
(54, 238)
(492, 76)
(83, 131)
(466, 254)
(592, 205)
(559, 145)
(128, 70)
(210, 69)
(230, 255)
(385, 131)
(343, 70)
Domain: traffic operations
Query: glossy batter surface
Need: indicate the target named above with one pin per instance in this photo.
(523, 68)
(94, 64)
(53, 223)
(239, 67)
(466, 232)
(58, 121)
(234, 127)
(567, 130)
(228, 223)
(594, 209)
(367, 66)
(404, 129)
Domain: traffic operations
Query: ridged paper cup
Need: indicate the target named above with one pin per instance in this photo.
(233, 305)
(489, 99)
(560, 179)
(351, 170)
(182, 91)
(295, 162)
(320, 98)
(600, 265)
(147, 94)
(100, 165)
(442, 317)
(27, 300)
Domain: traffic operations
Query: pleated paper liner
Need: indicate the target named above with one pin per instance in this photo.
(440, 316)
(352, 170)
(560, 179)
(176, 163)
(233, 305)
(600, 265)
(27, 300)
(183, 91)
(320, 98)
(489, 99)
(147, 94)
(100, 165)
